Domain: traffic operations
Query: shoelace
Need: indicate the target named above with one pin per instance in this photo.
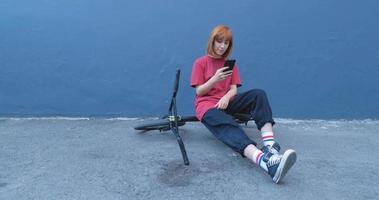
(273, 150)
(274, 159)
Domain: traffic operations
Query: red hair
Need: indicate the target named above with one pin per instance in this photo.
(220, 32)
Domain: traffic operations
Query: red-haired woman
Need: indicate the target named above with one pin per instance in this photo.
(216, 99)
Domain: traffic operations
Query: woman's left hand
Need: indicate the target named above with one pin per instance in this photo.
(223, 103)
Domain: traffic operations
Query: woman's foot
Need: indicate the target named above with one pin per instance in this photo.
(278, 165)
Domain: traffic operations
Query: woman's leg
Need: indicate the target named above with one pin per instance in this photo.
(255, 103)
(224, 127)
(256, 155)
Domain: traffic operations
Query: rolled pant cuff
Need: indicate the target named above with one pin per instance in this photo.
(263, 122)
(242, 151)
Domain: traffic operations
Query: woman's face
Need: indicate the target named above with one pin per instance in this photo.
(220, 46)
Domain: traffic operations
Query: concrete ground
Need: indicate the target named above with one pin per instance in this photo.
(58, 158)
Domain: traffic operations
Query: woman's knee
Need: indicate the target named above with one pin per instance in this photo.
(257, 92)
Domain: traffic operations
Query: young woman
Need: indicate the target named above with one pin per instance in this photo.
(216, 99)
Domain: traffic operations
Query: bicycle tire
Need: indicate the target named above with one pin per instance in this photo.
(162, 125)
(188, 119)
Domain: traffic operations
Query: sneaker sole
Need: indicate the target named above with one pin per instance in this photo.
(288, 159)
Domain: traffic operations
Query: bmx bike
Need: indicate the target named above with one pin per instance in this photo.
(172, 120)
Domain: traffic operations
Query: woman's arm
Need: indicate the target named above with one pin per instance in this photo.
(224, 101)
(203, 89)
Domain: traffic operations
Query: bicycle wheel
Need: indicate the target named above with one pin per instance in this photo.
(162, 125)
(188, 119)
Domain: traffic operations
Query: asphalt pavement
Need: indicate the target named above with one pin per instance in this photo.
(81, 158)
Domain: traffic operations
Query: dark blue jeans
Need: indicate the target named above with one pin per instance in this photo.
(226, 129)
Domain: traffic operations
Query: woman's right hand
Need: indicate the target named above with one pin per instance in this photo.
(220, 75)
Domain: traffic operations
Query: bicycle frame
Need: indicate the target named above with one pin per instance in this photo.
(173, 119)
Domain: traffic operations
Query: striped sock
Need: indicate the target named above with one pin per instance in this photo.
(258, 159)
(268, 138)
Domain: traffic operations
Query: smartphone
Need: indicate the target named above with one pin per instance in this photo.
(230, 64)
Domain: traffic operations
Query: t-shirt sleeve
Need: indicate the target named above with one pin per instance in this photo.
(236, 80)
(197, 77)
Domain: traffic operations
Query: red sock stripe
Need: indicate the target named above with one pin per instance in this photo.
(268, 137)
(257, 158)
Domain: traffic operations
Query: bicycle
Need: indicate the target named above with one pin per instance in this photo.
(172, 121)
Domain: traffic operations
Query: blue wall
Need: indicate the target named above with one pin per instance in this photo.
(316, 59)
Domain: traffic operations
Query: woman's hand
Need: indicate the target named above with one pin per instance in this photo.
(220, 75)
(223, 102)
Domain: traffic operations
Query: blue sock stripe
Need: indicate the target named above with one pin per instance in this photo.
(260, 159)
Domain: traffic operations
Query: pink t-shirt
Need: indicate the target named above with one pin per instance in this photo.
(203, 69)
